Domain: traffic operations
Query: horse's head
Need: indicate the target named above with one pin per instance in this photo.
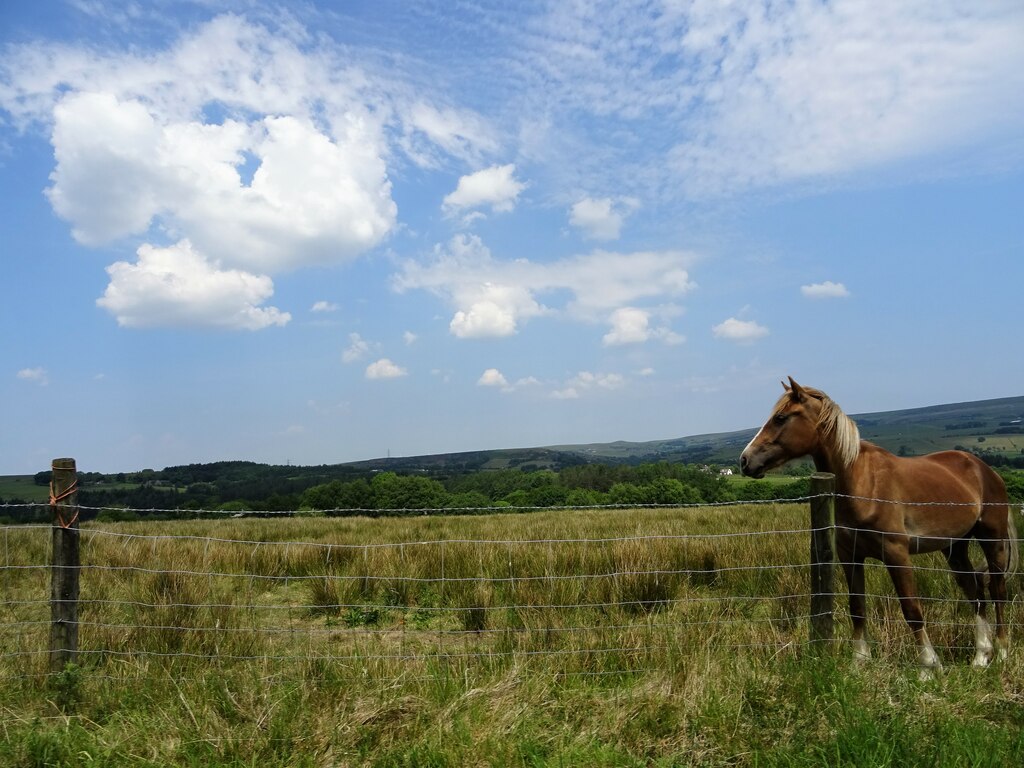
(790, 432)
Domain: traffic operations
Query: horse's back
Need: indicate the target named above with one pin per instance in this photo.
(970, 473)
(937, 497)
(945, 476)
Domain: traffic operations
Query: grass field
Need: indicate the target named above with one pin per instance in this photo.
(596, 638)
(22, 487)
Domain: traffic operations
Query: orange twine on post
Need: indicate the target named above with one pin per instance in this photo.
(54, 499)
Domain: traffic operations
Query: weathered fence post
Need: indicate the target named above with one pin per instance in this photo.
(823, 548)
(65, 565)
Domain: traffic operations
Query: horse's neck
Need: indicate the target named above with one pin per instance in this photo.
(828, 460)
(853, 478)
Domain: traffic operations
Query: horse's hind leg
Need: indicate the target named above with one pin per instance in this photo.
(973, 585)
(997, 555)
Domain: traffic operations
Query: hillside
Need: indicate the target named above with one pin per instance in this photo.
(983, 426)
(991, 428)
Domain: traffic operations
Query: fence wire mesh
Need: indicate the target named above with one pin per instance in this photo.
(576, 592)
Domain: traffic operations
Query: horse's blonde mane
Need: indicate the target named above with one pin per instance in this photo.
(834, 426)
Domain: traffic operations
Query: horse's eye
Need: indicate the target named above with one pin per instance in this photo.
(780, 418)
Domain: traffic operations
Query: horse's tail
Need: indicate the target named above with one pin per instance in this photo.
(1013, 561)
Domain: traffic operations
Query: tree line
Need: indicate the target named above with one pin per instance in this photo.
(580, 486)
(250, 487)
(246, 487)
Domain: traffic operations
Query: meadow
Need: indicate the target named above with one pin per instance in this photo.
(565, 637)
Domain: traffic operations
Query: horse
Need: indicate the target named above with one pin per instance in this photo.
(889, 507)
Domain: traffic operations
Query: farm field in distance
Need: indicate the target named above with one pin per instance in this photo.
(23, 487)
(601, 638)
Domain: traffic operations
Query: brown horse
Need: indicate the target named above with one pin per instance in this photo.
(889, 508)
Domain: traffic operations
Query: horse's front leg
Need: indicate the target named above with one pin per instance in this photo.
(897, 562)
(853, 569)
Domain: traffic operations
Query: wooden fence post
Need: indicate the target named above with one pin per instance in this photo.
(65, 565)
(823, 547)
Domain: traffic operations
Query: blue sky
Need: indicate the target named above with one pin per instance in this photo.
(323, 232)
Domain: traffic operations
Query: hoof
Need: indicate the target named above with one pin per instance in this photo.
(928, 674)
(861, 652)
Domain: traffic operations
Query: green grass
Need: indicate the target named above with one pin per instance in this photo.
(678, 651)
(23, 487)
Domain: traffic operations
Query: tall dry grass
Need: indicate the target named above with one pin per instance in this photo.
(413, 615)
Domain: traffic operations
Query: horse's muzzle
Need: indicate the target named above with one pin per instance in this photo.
(750, 469)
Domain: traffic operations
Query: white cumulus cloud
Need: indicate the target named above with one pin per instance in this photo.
(263, 145)
(492, 377)
(384, 369)
(324, 306)
(743, 331)
(630, 325)
(311, 199)
(825, 290)
(495, 187)
(601, 218)
(492, 298)
(178, 287)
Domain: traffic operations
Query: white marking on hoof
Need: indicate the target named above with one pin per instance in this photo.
(982, 642)
(929, 661)
(1004, 654)
(861, 651)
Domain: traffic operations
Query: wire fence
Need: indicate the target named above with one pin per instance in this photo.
(575, 592)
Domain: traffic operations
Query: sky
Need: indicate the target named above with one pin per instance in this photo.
(316, 232)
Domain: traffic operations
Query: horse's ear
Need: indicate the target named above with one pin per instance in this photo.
(785, 386)
(796, 391)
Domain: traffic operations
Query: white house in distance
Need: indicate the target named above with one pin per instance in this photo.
(708, 470)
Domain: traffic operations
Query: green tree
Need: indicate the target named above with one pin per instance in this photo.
(468, 500)
(668, 490)
(582, 497)
(402, 492)
(628, 493)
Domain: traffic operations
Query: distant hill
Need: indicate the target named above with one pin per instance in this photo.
(983, 426)
(991, 428)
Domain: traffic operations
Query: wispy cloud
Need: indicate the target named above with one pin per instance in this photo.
(584, 381)
(825, 290)
(767, 94)
(35, 375)
(357, 349)
(324, 306)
